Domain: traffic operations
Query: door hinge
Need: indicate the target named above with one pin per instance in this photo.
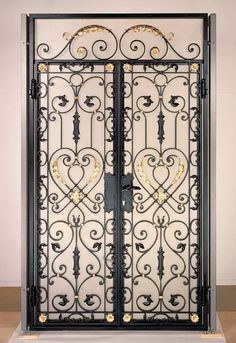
(33, 295)
(33, 89)
(203, 89)
(204, 295)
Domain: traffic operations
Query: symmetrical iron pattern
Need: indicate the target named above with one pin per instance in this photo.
(118, 207)
(134, 44)
(75, 150)
(162, 234)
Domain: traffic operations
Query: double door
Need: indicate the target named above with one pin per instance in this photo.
(118, 236)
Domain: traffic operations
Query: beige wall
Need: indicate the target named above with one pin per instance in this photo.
(10, 118)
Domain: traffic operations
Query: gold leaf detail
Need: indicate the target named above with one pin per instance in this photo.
(95, 172)
(76, 196)
(141, 173)
(194, 67)
(127, 317)
(110, 318)
(42, 67)
(160, 196)
(42, 318)
(109, 67)
(127, 67)
(81, 51)
(146, 28)
(56, 171)
(169, 36)
(155, 51)
(194, 318)
(90, 28)
(67, 36)
(179, 172)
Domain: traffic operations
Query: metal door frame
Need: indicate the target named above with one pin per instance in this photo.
(208, 173)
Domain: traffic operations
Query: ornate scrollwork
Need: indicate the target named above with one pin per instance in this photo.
(130, 46)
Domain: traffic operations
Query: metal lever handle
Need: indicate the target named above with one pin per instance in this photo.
(130, 187)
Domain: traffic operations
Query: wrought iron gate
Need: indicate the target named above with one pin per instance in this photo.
(118, 173)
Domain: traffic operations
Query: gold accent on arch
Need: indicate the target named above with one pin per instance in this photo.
(86, 29)
(56, 171)
(110, 318)
(141, 173)
(179, 172)
(194, 318)
(95, 172)
(42, 318)
(127, 317)
(149, 28)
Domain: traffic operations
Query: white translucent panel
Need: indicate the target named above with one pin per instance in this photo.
(119, 38)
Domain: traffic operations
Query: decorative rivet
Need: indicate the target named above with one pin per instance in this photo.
(127, 317)
(76, 297)
(109, 67)
(42, 67)
(127, 67)
(155, 51)
(42, 318)
(194, 318)
(160, 297)
(58, 275)
(194, 67)
(110, 318)
(81, 51)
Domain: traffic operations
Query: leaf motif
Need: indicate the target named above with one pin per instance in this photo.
(148, 299)
(139, 246)
(173, 99)
(97, 246)
(88, 300)
(173, 298)
(55, 246)
(64, 299)
(181, 247)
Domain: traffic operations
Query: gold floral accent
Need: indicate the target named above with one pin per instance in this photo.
(42, 318)
(81, 51)
(141, 173)
(127, 67)
(146, 28)
(95, 172)
(127, 317)
(194, 67)
(56, 171)
(160, 196)
(169, 36)
(155, 51)
(67, 36)
(179, 172)
(87, 29)
(110, 318)
(109, 67)
(90, 28)
(194, 318)
(76, 196)
(42, 67)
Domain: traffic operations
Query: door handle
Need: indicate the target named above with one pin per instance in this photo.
(130, 187)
